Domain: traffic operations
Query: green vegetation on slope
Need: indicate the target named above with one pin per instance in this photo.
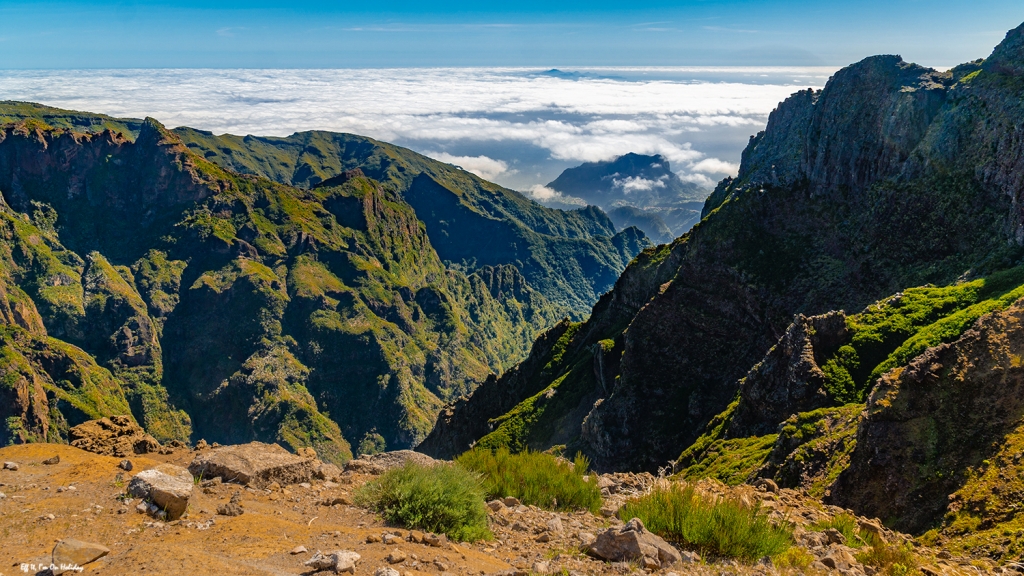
(535, 478)
(714, 527)
(444, 498)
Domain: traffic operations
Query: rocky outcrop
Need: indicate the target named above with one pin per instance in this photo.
(789, 379)
(930, 425)
(254, 464)
(117, 436)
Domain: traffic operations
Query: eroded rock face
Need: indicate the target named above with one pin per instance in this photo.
(634, 542)
(789, 380)
(167, 485)
(254, 463)
(929, 423)
(116, 436)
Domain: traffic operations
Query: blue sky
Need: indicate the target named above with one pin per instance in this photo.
(302, 33)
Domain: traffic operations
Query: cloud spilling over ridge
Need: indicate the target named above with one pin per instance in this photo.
(638, 184)
(583, 118)
(482, 166)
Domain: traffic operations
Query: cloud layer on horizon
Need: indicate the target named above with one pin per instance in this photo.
(597, 116)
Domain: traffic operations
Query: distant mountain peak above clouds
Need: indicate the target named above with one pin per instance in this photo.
(636, 190)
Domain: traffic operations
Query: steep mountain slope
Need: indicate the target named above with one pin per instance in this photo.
(139, 276)
(850, 194)
(636, 190)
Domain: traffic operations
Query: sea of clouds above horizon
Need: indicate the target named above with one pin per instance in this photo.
(519, 127)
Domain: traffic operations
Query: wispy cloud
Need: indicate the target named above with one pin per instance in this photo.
(482, 166)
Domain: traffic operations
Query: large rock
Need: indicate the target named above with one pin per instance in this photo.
(634, 542)
(254, 463)
(115, 436)
(69, 554)
(380, 463)
(167, 485)
(339, 561)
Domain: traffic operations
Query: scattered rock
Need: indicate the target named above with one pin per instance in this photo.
(372, 539)
(541, 568)
(434, 540)
(169, 487)
(230, 509)
(202, 445)
(142, 508)
(126, 465)
(336, 500)
(392, 539)
(873, 527)
(766, 485)
(52, 461)
(511, 502)
(12, 466)
(545, 537)
(298, 550)
(386, 572)
(339, 561)
(834, 536)
(396, 556)
(496, 505)
(633, 542)
(554, 525)
(115, 436)
(255, 464)
(71, 552)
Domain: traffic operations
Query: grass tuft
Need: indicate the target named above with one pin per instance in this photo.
(846, 524)
(444, 498)
(723, 528)
(535, 478)
(890, 559)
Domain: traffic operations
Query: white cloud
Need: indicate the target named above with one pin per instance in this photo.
(598, 116)
(716, 166)
(546, 195)
(637, 184)
(482, 166)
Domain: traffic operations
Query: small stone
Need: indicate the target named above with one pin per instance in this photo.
(72, 488)
(440, 566)
(2, 496)
(511, 502)
(416, 536)
(339, 561)
(834, 536)
(554, 525)
(545, 537)
(386, 572)
(520, 527)
(608, 510)
(373, 539)
(496, 505)
(944, 555)
(52, 461)
(586, 538)
(433, 540)
(230, 509)
(13, 467)
(541, 567)
(47, 517)
(396, 556)
(689, 557)
(305, 485)
(298, 550)
(61, 489)
(71, 552)
(142, 508)
(202, 445)
(766, 485)
(125, 465)
(391, 539)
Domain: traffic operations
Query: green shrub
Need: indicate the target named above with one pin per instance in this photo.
(846, 524)
(444, 498)
(723, 527)
(372, 443)
(535, 478)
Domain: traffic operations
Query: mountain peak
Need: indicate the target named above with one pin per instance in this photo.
(1008, 56)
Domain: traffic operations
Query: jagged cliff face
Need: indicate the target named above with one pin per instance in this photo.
(138, 277)
(849, 195)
